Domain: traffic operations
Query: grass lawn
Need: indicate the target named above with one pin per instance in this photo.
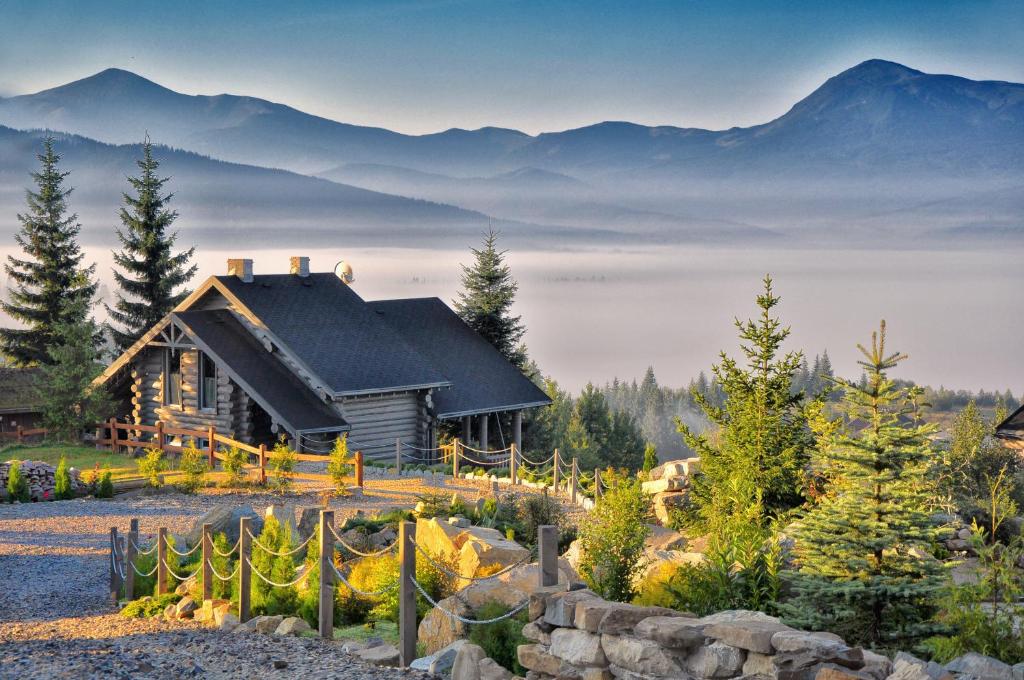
(84, 458)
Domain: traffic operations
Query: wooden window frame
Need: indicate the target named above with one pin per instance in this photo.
(202, 358)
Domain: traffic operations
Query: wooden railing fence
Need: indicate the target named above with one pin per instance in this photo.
(216, 447)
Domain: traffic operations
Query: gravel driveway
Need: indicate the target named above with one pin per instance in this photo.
(56, 619)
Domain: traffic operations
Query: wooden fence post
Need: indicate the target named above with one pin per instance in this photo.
(244, 565)
(161, 561)
(406, 593)
(554, 470)
(113, 434)
(207, 561)
(21, 434)
(547, 543)
(326, 574)
(398, 455)
(359, 469)
(211, 439)
(512, 463)
(115, 577)
(129, 559)
(597, 485)
(455, 458)
(263, 463)
(573, 481)
(160, 434)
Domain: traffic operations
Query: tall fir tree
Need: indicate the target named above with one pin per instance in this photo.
(861, 549)
(762, 438)
(485, 303)
(70, 402)
(152, 273)
(51, 287)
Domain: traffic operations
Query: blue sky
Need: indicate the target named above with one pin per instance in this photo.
(425, 66)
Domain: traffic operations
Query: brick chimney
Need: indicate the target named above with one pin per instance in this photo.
(299, 266)
(242, 268)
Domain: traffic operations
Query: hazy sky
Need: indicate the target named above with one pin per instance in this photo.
(425, 66)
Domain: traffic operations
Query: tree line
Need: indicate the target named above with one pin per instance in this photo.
(54, 291)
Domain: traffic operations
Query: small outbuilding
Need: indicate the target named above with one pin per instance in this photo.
(20, 405)
(303, 355)
(1011, 430)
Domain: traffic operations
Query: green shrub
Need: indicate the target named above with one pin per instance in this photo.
(17, 485)
(153, 606)
(985, 616)
(194, 465)
(501, 639)
(262, 561)
(536, 511)
(339, 467)
(433, 504)
(105, 489)
(234, 464)
(650, 460)
(282, 466)
(62, 481)
(152, 465)
(612, 540)
(223, 565)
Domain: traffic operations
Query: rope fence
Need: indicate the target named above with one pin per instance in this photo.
(124, 554)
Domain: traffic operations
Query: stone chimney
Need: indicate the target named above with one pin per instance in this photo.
(240, 268)
(299, 266)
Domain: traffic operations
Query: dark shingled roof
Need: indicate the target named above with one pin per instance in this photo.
(1013, 426)
(266, 379)
(484, 380)
(329, 327)
(17, 390)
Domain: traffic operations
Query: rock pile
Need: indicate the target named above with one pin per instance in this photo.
(41, 479)
(670, 484)
(577, 634)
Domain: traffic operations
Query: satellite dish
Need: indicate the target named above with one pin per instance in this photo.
(343, 270)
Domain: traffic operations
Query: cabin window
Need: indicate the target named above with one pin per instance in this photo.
(207, 382)
(172, 378)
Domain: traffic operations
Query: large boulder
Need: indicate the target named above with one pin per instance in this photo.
(753, 636)
(665, 502)
(662, 538)
(526, 577)
(284, 513)
(578, 647)
(467, 662)
(224, 519)
(471, 548)
(717, 660)
(437, 630)
(642, 656)
(980, 666)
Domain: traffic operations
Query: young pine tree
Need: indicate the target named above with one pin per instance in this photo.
(50, 287)
(485, 303)
(152, 274)
(71, 403)
(861, 550)
(763, 438)
(62, 481)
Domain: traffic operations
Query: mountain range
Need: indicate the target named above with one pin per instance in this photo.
(868, 154)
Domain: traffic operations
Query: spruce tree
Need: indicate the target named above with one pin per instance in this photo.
(864, 571)
(485, 303)
(50, 274)
(762, 437)
(70, 402)
(152, 273)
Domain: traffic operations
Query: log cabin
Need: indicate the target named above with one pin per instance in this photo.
(302, 355)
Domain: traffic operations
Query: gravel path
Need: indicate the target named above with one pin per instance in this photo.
(56, 619)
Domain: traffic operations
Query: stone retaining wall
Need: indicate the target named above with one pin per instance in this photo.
(578, 636)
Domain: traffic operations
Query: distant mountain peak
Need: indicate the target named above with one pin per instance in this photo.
(878, 71)
(111, 81)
